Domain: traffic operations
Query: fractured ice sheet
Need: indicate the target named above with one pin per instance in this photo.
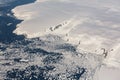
(46, 58)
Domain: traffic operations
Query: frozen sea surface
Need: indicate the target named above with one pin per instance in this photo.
(46, 58)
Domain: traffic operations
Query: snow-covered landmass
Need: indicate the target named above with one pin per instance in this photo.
(90, 24)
